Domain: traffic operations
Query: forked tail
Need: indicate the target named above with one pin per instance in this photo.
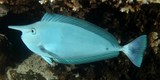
(135, 50)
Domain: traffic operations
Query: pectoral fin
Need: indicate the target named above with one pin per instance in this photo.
(54, 56)
(48, 52)
(47, 59)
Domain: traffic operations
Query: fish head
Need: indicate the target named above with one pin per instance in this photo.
(30, 35)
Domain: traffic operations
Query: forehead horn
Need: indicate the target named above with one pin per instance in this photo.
(15, 28)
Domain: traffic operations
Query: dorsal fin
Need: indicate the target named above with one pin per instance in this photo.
(80, 23)
(51, 17)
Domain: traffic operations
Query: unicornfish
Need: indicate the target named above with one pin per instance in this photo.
(70, 40)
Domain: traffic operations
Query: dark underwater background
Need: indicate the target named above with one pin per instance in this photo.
(125, 19)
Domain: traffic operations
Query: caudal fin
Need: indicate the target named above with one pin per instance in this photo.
(135, 50)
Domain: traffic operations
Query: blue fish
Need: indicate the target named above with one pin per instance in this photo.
(70, 40)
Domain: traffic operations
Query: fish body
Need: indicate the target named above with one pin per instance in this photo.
(69, 40)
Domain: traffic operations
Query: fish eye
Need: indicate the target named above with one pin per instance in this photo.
(33, 30)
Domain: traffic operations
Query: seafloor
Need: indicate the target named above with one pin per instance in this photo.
(125, 19)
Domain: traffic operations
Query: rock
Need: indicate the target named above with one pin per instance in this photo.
(4, 51)
(4, 55)
(3, 10)
(33, 68)
(154, 41)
